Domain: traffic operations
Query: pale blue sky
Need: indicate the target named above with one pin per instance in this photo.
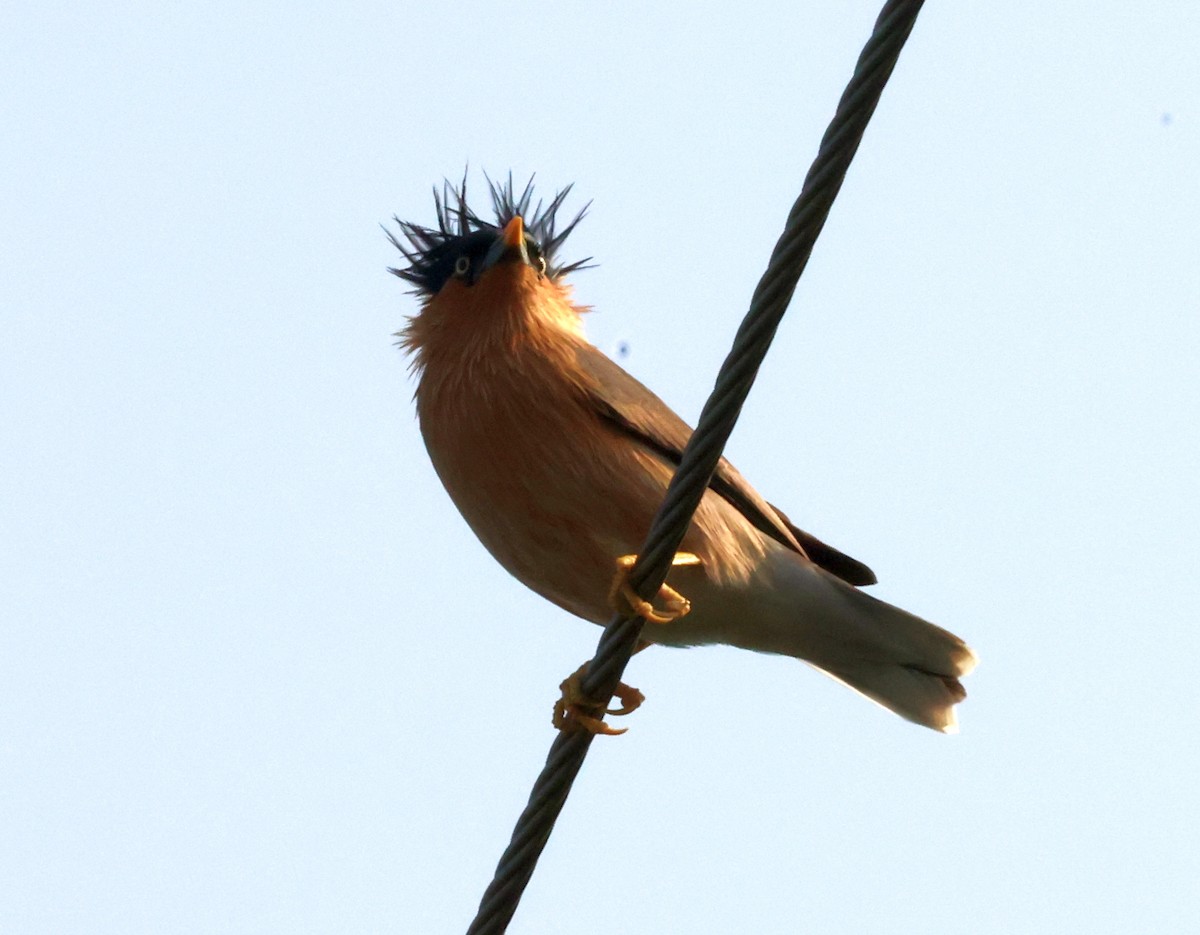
(256, 675)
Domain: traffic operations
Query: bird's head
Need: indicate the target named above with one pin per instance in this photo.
(481, 279)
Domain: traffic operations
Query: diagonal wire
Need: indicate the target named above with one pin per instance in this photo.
(703, 451)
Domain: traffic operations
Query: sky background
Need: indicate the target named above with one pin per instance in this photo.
(256, 674)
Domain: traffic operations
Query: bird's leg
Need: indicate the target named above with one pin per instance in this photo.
(574, 712)
(623, 597)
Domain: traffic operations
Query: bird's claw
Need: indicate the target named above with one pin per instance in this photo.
(623, 598)
(574, 712)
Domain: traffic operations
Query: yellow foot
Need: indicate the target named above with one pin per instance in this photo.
(623, 598)
(573, 712)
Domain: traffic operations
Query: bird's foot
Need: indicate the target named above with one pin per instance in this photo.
(623, 598)
(574, 712)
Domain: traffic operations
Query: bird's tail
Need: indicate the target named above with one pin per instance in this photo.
(921, 696)
(895, 658)
(907, 664)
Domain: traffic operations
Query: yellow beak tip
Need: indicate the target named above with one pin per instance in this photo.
(514, 232)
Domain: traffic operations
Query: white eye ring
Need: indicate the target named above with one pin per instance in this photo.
(461, 265)
(541, 266)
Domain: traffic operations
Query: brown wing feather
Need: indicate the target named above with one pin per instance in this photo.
(633, 409)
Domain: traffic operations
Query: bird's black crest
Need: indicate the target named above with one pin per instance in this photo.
(432, 251)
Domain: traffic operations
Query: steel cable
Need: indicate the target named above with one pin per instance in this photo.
(703, 451)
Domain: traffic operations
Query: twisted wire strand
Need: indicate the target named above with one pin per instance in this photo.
(703, 451)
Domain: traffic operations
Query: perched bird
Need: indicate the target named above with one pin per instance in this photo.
(558, 459)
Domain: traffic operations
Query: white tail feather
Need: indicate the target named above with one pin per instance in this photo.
(794, 608)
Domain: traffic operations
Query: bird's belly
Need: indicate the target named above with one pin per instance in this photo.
(554, 501)
(556, 496)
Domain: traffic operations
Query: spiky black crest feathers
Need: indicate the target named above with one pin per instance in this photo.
(432, 251)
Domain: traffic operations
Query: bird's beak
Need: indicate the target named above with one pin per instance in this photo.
(510, 245)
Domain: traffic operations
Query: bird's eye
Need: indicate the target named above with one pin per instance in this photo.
(462, 265)
(539, 258)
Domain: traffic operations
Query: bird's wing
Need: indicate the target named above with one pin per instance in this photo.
(634, 410)
(850, 570)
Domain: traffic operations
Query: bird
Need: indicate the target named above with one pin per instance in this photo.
(558, 459)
